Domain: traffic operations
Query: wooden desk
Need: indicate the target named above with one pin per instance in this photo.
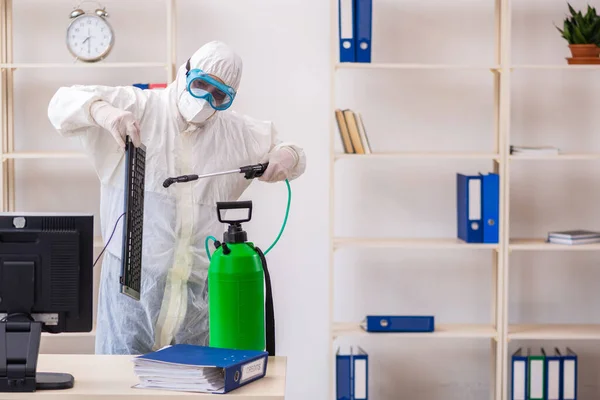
(100, 377)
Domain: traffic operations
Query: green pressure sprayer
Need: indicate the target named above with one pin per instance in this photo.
(240, 315)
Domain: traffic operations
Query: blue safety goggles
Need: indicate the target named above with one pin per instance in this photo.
(202, 86)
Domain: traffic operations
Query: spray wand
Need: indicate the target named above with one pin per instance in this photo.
(250, 172)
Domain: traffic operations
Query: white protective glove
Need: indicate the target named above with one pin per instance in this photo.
(281, 163)
(118, 122)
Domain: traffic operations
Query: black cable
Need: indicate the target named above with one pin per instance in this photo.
(111, 235)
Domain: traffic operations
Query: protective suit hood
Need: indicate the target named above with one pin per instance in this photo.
(217, 59)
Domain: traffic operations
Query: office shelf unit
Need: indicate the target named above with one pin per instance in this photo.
(77, 342)
(494, 331)
(499, 332)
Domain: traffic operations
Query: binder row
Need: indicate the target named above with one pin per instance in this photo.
(540, 376)
(478, 207)
(352, 375)
(355, 18)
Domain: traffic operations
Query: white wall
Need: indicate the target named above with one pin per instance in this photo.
(285, 47)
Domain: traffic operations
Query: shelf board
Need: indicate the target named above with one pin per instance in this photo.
(86, 65)
(543, 245)
(559, 157)
(491, 67)
(441, 331)
(420, 155)
(408, 243)
(554, 332)
(564, 66)
(43, 154)
(346, 65)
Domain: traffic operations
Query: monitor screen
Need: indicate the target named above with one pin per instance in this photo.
(46, 269)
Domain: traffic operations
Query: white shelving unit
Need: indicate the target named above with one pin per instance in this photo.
(499, 332)
(72, 342)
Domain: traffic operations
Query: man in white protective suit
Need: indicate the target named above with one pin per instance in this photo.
(187, 128)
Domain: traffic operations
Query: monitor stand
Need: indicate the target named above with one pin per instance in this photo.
(19, 350)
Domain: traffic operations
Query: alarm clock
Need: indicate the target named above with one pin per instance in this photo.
(90, 37)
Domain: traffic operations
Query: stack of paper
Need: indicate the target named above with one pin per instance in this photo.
(199, 369)
(533, 151)
(579, 236)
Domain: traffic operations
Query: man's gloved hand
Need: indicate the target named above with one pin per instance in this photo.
(281, 163)
(118, 122)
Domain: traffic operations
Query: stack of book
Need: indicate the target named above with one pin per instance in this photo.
(190, 368)
(579, 236)
(352, 131)
(533, 151)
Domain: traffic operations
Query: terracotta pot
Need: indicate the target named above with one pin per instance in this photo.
(584, 50)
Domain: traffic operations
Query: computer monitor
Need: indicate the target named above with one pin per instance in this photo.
(46, 284)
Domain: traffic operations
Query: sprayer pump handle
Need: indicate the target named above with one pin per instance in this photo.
(231, 205)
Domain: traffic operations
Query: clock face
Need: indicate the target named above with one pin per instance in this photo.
(89, 38)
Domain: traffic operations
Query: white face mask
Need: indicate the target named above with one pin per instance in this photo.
(194, 110)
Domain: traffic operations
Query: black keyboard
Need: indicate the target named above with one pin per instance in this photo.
(131, 269)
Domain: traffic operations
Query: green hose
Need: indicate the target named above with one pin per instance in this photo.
(206, 245)
(287, 212)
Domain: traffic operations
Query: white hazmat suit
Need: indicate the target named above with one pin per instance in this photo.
(183, 135)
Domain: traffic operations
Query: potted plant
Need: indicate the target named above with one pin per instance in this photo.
(582, 32)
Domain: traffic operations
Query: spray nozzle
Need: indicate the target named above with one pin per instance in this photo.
(179, 179)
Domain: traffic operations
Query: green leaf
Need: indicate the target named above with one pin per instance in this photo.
(578, 37)
(573, 12)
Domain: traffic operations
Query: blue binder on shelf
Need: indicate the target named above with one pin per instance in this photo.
(568, 387)
(519, 377)
(343, 370)
(352, 375)
(223, 369)
(346, 20)
(553, 375)
(469, 208)
(363, 30)
(398, 323)
(490, 184)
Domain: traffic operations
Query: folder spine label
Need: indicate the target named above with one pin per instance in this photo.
(346, 30)
(252, 370)
(468, 203)
(569, 391)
